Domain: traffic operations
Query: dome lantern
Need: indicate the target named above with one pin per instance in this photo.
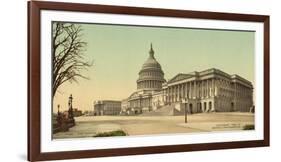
(151, 52)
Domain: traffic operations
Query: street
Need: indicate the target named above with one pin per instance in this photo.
(88, 126)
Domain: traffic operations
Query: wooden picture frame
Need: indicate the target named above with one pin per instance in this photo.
(34, 78)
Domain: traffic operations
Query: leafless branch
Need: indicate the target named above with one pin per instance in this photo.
(68, 56)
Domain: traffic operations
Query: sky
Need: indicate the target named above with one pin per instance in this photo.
(118, 52)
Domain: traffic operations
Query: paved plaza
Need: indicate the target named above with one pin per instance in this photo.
(89, 126)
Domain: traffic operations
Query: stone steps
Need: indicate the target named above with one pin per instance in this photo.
(167, 110)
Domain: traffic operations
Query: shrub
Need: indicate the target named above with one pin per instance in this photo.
(249, 127)
(112, 133)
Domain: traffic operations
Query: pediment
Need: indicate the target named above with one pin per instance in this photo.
(135, 94)
(179, 77)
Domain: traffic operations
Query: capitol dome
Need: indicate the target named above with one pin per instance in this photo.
(151, 75)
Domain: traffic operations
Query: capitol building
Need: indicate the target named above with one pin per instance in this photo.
(211, 90)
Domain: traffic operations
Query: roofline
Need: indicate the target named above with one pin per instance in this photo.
(213, 71)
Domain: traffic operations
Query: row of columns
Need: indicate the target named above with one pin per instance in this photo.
(151, 73)
(239, 90)
(140, 102)
(243, 97)
(149, 84)
(243, 91)
(191, 90)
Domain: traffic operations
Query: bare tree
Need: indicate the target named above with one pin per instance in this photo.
(67, 51)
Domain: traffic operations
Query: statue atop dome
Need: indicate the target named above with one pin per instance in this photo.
(151, 52)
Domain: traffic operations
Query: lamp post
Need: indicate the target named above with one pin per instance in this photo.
(184, 101)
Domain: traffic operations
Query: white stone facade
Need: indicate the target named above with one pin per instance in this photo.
(211, 90)
(107, 107)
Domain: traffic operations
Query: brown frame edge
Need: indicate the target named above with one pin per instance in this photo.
(34, 147)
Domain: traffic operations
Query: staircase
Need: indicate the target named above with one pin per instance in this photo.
(167, 110)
